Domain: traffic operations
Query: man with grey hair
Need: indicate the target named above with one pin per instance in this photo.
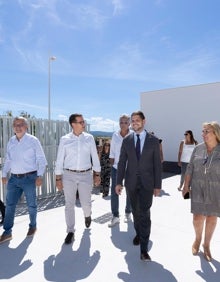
(116, 142)
(26, 163)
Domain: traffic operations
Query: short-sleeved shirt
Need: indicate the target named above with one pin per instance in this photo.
(115, 148)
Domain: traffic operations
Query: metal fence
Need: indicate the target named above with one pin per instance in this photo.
(49, 133)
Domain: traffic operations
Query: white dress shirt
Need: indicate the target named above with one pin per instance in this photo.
(115, 147)
(77, 153)
(24, 155)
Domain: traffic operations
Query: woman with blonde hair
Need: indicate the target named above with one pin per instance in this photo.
(202, 180)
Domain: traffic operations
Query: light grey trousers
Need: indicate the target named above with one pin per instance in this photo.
(73, 181)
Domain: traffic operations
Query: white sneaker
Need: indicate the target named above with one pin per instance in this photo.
(127, 217)
(115, 220)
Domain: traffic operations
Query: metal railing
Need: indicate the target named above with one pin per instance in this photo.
(48, 133)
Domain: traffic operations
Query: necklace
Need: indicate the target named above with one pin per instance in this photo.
(206, 163)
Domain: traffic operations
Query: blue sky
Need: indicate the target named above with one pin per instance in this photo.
(107, 53)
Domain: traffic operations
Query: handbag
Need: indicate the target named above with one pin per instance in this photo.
(186, 196)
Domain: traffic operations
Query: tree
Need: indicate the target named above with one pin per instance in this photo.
(26, 115)
(22, 114)
(9, 113)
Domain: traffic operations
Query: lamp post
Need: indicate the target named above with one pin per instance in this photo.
(51, 58)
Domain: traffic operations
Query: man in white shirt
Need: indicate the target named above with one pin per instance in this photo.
(76, 165)
(26, 163)
(116, 142)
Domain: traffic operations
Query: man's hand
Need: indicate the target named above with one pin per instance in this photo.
(4, 180)
(118, 189)
(157, 192)
(96, 180)
(59, 184)
(38, 181)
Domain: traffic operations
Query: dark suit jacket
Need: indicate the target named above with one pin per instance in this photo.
(148, 167)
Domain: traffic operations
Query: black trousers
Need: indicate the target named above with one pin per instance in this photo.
(141, 202)
(2, 209)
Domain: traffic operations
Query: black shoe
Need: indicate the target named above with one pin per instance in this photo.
(88, 221)
(69, 238)
(136, 240)
(145, 256)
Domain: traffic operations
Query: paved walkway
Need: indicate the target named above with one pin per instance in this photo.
(106, 254)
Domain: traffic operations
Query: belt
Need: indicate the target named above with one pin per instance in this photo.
(23, 174)
(78, 171)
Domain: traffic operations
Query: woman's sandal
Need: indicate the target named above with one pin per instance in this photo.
(195, 248)
(207, 253)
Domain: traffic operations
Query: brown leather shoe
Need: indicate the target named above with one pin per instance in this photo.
(5, 238)
(31, 231)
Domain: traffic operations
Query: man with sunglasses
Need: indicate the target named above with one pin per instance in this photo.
(76, 165)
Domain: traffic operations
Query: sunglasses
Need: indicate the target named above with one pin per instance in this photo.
(206, 131)
(19, 125)
(80, 122)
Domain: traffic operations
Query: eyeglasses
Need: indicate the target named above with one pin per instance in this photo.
(186, 134)
(206, 131)
(124, 122)
(80, 122)
(19, 125)
(107, 145)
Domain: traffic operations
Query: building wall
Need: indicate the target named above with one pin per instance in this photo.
(169, 112)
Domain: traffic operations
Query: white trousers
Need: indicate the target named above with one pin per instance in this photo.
(73, 181)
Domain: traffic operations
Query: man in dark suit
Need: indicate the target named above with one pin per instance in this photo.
(140, 164)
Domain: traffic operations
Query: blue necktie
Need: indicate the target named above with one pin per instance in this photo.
(138, 147)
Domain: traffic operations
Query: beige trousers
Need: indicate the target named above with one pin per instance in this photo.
(73, 181)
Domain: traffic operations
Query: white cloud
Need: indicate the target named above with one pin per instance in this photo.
(118, 6)
(97, 123)
(101, 124)
(63, 117)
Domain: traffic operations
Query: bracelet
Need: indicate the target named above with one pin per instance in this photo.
(59, 179)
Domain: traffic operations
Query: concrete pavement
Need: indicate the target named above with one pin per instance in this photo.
(106, 254)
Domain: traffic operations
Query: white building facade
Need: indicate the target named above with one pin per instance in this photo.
(170, 112)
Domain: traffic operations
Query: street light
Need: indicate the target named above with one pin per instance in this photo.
(51, 58)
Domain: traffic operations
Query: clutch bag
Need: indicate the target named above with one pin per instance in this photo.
(186, 196)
